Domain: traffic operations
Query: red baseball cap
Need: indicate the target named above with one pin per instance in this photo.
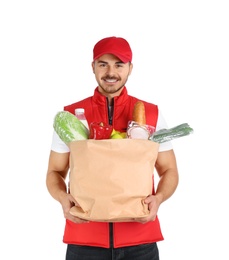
(113, 45)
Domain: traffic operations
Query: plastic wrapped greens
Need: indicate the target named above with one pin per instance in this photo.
(165, 135)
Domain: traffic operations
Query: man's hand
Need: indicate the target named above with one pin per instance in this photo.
(153, 205)
(67, 202)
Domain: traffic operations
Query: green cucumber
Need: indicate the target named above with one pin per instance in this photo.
(165, 135)
(69, 128)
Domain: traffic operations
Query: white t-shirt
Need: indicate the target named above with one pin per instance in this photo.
(60, 147)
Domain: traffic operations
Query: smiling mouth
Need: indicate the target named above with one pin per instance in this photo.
(110, 80)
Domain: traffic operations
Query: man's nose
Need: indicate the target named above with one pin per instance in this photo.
(110, 70)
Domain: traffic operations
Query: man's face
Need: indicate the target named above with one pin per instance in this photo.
(111, 74)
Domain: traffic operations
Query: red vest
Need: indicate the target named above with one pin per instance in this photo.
(124, 233)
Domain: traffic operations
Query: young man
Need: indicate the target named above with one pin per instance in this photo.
(110, 103)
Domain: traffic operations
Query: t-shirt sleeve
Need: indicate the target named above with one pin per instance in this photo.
(58, 145)
(161, 124)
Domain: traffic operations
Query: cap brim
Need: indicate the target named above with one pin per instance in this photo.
(121, 57)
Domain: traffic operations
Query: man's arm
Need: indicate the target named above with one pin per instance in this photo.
(166, 167)
(58, 167)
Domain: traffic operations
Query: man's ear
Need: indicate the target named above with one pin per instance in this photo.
(93, 66)
(131, 67)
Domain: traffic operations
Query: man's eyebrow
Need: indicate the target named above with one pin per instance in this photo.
(118, 62)
(101, 61)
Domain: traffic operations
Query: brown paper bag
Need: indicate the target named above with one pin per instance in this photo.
(111, 178)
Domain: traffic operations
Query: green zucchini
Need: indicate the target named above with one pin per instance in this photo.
(165, 135)
(69, 128)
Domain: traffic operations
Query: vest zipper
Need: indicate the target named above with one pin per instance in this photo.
(111, 234)
(110, 108)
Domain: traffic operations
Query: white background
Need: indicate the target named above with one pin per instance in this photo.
(181, 62)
